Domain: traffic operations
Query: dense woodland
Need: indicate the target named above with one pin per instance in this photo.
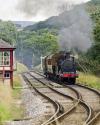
(41, 39)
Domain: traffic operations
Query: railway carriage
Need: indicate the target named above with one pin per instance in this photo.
(60, 66)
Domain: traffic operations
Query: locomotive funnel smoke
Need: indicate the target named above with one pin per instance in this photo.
(77, 29)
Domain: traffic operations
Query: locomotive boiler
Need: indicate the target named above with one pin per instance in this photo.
(60, 66)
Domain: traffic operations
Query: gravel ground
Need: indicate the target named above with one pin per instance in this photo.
(34, 107)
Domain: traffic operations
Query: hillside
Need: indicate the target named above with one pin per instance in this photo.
(57, 21)
(23, 23)
(96, 2)
(49, 23)
(65, 19)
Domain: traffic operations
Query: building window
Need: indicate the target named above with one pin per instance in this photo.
(1, 75)
(1, 58)
(49, 61)
(7, 75)
(5, 58)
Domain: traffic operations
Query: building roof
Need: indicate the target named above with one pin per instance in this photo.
(5, 45)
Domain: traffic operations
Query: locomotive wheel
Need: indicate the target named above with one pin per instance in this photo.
(72, 80)
(48, 76)
(61, 79)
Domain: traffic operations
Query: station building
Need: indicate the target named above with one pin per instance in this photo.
(6, 62)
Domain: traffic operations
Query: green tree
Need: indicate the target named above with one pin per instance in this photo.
(42, 43)
(8, 31)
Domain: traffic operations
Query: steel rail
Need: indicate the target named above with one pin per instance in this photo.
(55, 103)
(74, 90)
(94, 119)
(86, 87)
(69, 111)
(88, 108)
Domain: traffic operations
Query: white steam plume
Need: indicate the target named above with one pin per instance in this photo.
(77, 31)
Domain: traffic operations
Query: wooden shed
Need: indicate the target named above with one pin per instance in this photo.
(6, 62)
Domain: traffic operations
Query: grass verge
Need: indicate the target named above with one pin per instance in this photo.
(89, 79)
(10, 99)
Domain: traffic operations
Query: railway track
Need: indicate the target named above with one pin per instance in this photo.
(93, 99)
(80, 107)
(90, 96)
(57, 107)
(95, 120)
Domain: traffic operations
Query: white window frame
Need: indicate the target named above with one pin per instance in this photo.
(3, 58)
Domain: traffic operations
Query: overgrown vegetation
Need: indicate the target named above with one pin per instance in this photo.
(89, 80)
(34, 44)
(9, 108)
(20, 69)
(10, 99)
(8, 31)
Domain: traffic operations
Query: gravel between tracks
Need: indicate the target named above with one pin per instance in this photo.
(35, 108)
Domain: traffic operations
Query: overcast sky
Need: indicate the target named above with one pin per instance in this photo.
(33, 10)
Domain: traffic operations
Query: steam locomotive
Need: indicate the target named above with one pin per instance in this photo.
(60, 66)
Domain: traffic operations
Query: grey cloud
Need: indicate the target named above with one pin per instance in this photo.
(44, 7)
